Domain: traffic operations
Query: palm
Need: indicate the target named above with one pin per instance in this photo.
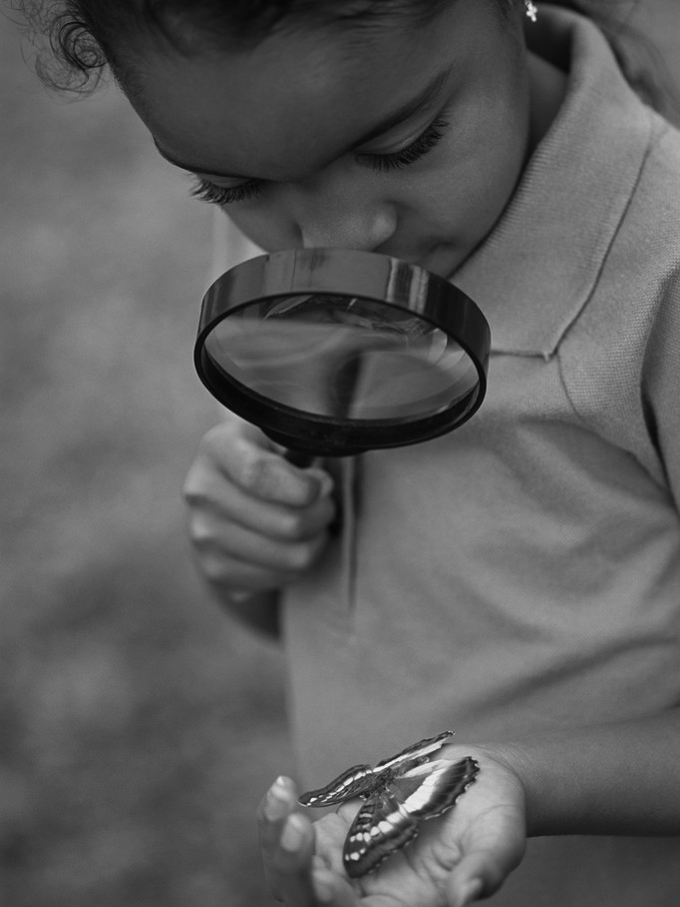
(481, 838)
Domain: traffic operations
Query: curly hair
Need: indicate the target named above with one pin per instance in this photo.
(84, 37)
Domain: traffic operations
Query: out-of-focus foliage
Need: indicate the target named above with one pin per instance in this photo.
(138, 726)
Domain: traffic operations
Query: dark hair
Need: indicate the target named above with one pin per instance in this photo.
(83, 35)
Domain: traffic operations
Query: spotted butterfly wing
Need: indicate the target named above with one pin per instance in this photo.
(392, 817)
(400, 793)
(380, 828)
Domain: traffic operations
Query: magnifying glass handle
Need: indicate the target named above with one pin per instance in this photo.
(299, 458)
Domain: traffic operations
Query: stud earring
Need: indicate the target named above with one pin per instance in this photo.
(530, 10)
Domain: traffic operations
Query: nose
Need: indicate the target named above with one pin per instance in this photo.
(332, 218)
(348, 229)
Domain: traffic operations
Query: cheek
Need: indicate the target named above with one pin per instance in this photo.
(476, 182)
(266, 225)
(465, 201)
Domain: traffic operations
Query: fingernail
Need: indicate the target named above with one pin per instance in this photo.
(276, 804)
(469, 892)
(293, 835)
(280, 784)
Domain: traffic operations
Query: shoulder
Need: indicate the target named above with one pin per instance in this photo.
(647, 250)
(655, 204)
(640, 274)
(621, 359)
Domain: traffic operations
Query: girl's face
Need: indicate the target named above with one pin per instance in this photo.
(402, 140)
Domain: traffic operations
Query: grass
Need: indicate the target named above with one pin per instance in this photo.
(138, 726)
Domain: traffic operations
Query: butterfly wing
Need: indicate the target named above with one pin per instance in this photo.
(362, 780)
(379, 829)
(414, 754)
(391, 818)
(358, 781)
(431, 789)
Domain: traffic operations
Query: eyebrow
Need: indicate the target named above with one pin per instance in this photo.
(423, 100)
(194, 168)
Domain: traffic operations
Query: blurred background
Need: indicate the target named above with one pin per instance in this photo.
(138, 726)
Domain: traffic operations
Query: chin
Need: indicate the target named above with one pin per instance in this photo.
(443, 260)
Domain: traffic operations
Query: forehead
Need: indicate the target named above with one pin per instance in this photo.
(284, 107)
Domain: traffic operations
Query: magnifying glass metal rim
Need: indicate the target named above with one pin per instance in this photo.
(349, 273)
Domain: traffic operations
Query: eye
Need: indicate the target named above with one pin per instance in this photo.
(421, 146)
(209, 192)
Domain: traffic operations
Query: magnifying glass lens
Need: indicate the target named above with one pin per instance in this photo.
(333, 352)
(342, 358)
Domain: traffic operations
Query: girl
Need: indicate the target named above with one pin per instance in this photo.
(518, 580)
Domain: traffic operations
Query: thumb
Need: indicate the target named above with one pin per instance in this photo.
(482, 871)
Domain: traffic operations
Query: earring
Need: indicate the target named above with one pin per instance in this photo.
(530, 10)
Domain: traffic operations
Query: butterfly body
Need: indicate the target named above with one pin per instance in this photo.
(399, 793)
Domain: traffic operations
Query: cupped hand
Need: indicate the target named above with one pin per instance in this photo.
(456, 858)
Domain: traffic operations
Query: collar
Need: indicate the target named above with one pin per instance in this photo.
(537, 268)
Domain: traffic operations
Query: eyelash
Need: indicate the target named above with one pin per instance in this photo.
(418, 148)
(206, 191)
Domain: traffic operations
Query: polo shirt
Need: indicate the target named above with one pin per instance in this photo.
(522, 574)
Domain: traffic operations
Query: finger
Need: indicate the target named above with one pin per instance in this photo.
(278, 803)
(482, 871)
(331, 890)
(249, 560)
(293, 862)
(266, 474)
(466, 892)
(211, 495)
(243, 579)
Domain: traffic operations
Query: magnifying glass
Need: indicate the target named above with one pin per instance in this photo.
(334, 352)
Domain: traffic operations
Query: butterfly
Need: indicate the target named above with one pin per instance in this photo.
(400, 793)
